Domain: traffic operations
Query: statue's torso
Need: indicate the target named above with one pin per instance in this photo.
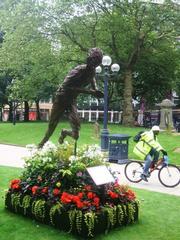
(79, 77)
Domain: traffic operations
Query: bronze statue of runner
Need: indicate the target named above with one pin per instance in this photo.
(65, 99)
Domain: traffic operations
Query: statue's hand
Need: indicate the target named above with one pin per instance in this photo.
(98, 94)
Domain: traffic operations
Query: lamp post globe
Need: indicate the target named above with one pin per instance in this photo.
(98, 69)
(106, 61)
(115, 68)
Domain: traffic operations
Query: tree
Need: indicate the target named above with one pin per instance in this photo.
(160, 69)
(28, 54)
(129, 31)
(124, 29)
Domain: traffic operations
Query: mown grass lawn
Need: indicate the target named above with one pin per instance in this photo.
(28, 133)
(158, 218)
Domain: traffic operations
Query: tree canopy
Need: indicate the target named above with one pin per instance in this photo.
(44, 39)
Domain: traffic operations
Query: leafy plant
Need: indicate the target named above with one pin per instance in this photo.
(53, 184)
(90, 219)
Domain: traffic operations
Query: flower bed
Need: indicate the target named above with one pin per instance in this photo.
(55, 188)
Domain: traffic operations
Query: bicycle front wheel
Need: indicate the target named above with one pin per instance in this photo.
(133, 171)
(169, 175)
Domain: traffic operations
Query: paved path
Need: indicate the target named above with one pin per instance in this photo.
(13, 156)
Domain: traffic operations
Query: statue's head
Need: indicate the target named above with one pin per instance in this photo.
(94, 58)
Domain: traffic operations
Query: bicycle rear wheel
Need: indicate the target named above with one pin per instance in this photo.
(169, 176)
(133, 171)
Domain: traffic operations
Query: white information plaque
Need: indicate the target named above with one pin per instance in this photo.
(100, 175)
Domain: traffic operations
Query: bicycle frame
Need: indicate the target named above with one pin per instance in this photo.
(155, 165)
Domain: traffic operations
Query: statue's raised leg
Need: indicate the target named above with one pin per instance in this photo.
(75, 125)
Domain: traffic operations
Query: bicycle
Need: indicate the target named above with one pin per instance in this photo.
(168, 175)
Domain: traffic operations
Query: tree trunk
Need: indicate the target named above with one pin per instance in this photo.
(26, 111)
(38, 110)
(127, 106)
(1, 112)
(10, 117)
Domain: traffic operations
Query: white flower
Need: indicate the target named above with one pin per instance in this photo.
(48, 147)
(51, 146)
(72, 158)
(32, 149)
(93, 152)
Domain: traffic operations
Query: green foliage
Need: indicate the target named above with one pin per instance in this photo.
(125, 210)
(72, 218)
(79, 217)
(49, 193)
(131, 211)
(89, 219)
(111, 216)
(38, 209)
(41, 162)
(56, 208)
(120, 214)
(15, 201)
(43, 41)
(157, 74)
(65, 151)
(26, 203)
(27, 52)
(123, 25)
(53, 165)
(153, 206)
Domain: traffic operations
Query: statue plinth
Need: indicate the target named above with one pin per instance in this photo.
(166, 120)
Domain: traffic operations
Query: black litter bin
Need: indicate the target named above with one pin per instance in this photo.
(118, 148)
(177, 126)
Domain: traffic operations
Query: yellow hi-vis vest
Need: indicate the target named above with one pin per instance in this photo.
(146, 143)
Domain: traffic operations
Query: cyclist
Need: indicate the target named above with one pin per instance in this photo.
(148, 149)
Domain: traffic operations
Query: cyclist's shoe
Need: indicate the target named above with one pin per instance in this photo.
(148, 175)
(144, 177)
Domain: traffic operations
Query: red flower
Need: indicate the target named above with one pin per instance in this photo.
(75, 199)
(130, 195)
(45, 190)
(15, 184)
(112, 194)
(34, 189)
(96, 201)
(56, 191)
(79, 204)
(90, 195)
(80, 194)
(66, 198)
(15, 181)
